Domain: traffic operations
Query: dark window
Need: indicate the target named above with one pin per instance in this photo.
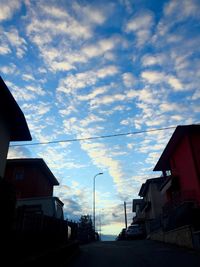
(19, 174)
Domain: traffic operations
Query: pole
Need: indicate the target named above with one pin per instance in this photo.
(125, 214)
(94, 202)
(100, 227)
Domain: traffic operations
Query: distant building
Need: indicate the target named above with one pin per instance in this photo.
(13, 126)
(152, 197)
(137, 207)
(33, 182)
(153, 202)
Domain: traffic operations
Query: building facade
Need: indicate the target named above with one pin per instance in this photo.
(181, 161)
(13, 126)
(33, 183)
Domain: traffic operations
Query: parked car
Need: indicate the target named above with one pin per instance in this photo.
(122, 235)
(134, 231)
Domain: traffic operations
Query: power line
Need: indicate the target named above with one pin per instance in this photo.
(93, 138)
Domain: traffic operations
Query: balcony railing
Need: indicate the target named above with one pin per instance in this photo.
(179, 198)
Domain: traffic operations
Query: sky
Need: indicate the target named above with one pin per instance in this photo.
(82, 69)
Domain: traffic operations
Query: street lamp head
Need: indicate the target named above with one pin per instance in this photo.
(100, 173)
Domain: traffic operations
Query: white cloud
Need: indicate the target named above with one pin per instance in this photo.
(182, 9)
(156, 77)
(41, 26)
(40, 109)
(100, 156)
(153, 76)
(196, 95)
(81, 80)
(102, 47)
(128, 79)
(8, 8)
(10, 69)
(90, 14)
(18, 152)
(4, 49)
(175, 83)
(47, 23)
(19, 93)
(155, 59)
(35, 89)
(171, 107)
(28, 77)
(11, 39)
(91, 118)
(97, 91)
(107, 100)
(141, 25)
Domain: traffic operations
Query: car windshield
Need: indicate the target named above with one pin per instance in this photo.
(133, 226)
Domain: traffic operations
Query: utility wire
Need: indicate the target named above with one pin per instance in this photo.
(93, 138)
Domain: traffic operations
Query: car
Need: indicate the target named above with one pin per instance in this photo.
(134, 231)
(122, 235)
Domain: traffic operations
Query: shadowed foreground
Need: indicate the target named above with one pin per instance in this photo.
(138, 253)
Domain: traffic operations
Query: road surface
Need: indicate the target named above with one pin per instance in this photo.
(137, 253)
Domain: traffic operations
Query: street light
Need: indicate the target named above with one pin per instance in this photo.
(100, 173)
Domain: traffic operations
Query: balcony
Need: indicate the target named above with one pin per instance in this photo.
(179, 198)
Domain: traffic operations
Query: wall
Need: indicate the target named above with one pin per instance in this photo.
(31, 183)
(195, 146)
(181, 236)
(184, 167)
(4, 143)
(47, 204)
(157, 200)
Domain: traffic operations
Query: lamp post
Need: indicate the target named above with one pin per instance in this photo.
(100, 173)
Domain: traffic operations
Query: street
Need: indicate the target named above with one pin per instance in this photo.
(137, 253)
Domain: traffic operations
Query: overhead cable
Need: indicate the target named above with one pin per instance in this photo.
(92, 137)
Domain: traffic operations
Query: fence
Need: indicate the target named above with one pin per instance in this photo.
(40, 230)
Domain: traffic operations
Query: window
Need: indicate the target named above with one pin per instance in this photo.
(168, 173)
(19, 174)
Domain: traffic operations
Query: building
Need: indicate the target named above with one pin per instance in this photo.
(49, 206)
(31, 177)
(34, 182)
(137, 207)
(153, 201)
(180, 165)
(13, 126)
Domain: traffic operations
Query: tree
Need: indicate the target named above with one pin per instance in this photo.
(85, 229)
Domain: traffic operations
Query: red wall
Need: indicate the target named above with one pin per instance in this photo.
(33, 184)
(185, 167)
(195, 143)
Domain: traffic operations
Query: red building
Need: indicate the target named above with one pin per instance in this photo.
(31, 177)
(33, 183)
(180, 163)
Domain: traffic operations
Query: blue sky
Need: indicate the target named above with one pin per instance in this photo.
(90, 68)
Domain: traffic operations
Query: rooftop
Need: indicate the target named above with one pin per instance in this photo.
(39, 162)
(180, 131)
(144, 188)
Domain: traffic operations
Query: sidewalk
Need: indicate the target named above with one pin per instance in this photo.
(53, 257)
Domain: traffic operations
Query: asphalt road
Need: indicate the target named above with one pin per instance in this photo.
(137, 253)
